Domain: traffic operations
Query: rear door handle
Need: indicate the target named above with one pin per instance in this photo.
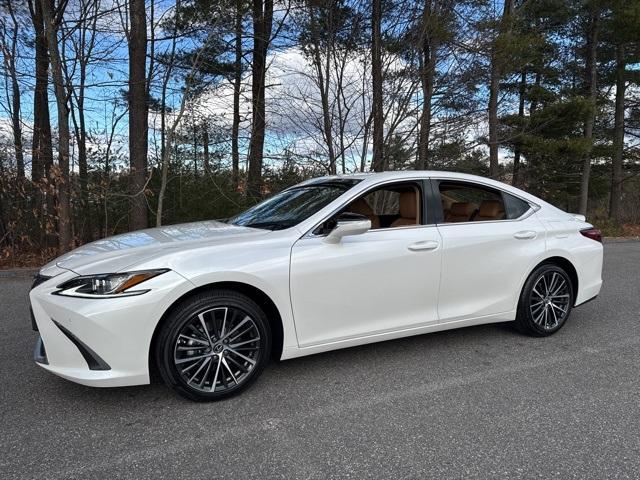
(424, 245)
(525, 235)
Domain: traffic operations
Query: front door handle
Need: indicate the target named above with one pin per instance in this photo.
(525, 235)
(424, 245)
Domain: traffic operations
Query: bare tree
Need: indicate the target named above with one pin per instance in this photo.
(377, 162)
(9, 52)
(42, 151)
(497, 65)
(262, 26)
(237, 86)
(138, 113)
(83, 33)
(591, 82)
(429, 60)
(52, 16)
(615, 207)
(522, 89)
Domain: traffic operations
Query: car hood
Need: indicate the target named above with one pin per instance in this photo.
(119, 252)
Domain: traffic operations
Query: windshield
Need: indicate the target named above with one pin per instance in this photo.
(292, 206)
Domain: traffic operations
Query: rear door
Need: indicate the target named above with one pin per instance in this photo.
(489, 240)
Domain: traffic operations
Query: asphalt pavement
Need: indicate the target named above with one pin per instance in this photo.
(482, 402)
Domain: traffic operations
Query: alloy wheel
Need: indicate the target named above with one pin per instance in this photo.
(216, 350)
(549, 300)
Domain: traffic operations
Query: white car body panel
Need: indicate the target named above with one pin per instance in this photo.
(481, 264)
(373, 273)
(117, 329)
(366, 288)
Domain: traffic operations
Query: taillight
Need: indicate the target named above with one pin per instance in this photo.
(592, 233)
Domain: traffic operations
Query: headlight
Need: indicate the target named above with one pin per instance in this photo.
(107, 285)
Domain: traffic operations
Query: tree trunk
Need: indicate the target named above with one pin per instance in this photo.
(427, 77)
(515, 181)
(195, 150)
(534, 100)
(615, 212)
(10, 66)
(237, 84)
(62, 180)
(205, 150)
(377, 162)
(138, 113)
(262, 24)
(323, 79)
(494, 90)
(42, 151)
(591, 79)
(84, 50)
(493, 118)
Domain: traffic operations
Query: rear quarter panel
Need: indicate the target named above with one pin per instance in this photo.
(565, 240)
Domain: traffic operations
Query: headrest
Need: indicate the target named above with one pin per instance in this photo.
(462, 209)
(409, 204)
(490, 208)
(360, 206)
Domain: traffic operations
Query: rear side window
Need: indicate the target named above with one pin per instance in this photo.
(467, 202)
(514, 207)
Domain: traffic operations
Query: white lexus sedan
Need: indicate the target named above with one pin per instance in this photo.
(330, 263)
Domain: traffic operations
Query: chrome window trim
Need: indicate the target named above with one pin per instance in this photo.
(524, 216)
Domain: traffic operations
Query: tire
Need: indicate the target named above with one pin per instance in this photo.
(545, 301)
(219, 338)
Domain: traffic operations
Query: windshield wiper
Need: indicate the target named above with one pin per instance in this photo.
(268, 225)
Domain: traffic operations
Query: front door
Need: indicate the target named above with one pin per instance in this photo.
(383, 280)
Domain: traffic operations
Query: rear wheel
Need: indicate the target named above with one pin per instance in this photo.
(545, 302)
(213, 346)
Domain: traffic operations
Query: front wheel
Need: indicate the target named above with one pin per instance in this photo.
(545, 302)
(213, 346)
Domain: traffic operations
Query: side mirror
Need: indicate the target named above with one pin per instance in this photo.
(348, 224)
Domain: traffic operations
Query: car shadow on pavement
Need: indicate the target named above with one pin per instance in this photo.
(300, 375)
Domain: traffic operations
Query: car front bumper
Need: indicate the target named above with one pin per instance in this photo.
(100, 342)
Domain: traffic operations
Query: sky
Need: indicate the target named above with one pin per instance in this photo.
(293, 101)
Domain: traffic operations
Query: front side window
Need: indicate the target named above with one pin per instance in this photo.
(390, 206)
(290, 207)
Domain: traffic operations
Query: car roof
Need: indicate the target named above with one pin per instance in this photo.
(407, 174)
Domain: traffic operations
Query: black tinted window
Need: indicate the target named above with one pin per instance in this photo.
(514, 207)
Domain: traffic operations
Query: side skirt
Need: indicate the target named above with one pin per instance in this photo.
(294, 352)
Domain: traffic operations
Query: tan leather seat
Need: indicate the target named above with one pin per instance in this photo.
(490, 210)
(460, 212)
(361, 207)
(409, 209)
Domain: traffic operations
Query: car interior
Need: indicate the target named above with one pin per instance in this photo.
(391, 206)
(400, 205)
(466, 203)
